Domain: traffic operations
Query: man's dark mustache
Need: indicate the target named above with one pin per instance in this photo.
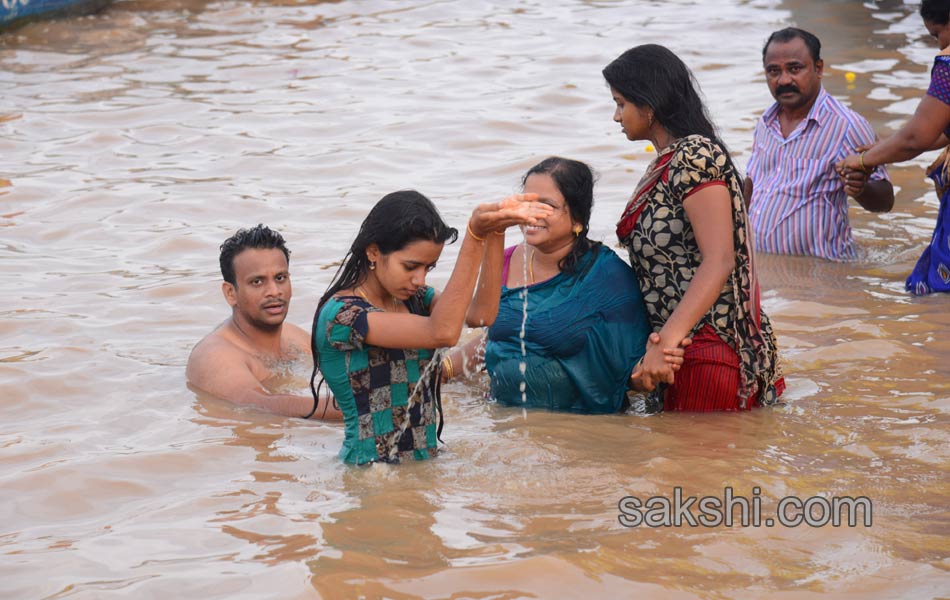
(786, 88)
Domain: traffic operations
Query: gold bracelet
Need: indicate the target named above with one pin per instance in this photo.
(861, 160)
(447, 367)
(472, 233)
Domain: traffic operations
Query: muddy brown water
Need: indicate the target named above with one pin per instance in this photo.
(133, 142)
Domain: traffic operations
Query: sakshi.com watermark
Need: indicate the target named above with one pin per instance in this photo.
(730, 510)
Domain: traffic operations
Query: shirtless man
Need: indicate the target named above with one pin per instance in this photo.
(235, 360)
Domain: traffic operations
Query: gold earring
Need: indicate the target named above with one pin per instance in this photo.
(577, 230)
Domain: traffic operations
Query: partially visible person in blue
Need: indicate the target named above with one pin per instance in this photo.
(928, 129)
(376, 328)
(586, 326)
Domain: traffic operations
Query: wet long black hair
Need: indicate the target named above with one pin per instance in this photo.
(259, 237)
(575, 181)
(651, 75)
(935, 11)
(397, 220)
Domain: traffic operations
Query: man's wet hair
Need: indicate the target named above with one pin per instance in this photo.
(256, 237)
(783, 36)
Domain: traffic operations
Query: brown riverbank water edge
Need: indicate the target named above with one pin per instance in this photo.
(133, 142)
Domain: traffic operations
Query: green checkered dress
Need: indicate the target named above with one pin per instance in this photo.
(373, 385)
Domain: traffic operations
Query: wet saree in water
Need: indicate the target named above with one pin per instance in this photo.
(584, 334)
(932, 271)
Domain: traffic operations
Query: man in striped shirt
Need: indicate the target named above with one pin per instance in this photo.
(798, 203)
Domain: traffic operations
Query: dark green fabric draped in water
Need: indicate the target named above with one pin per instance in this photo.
(584, 334)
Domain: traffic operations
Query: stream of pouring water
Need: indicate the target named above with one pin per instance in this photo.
(524, 320)
(438, 354)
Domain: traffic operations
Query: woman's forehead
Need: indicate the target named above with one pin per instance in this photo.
(421, 251)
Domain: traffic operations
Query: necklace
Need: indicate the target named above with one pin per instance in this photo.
(359, 290)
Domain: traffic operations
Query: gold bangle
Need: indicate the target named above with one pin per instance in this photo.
(861, 160)
(447, 367)
(472, 233)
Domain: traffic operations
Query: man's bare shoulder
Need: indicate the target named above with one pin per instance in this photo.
(297, 337)
(215, 349)
(223, 348)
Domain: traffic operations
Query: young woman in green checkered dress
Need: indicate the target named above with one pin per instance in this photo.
(376, 328)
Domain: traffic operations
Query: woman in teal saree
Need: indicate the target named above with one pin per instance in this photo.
(585, 328)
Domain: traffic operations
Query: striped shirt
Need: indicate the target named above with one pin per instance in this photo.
(798, 204)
